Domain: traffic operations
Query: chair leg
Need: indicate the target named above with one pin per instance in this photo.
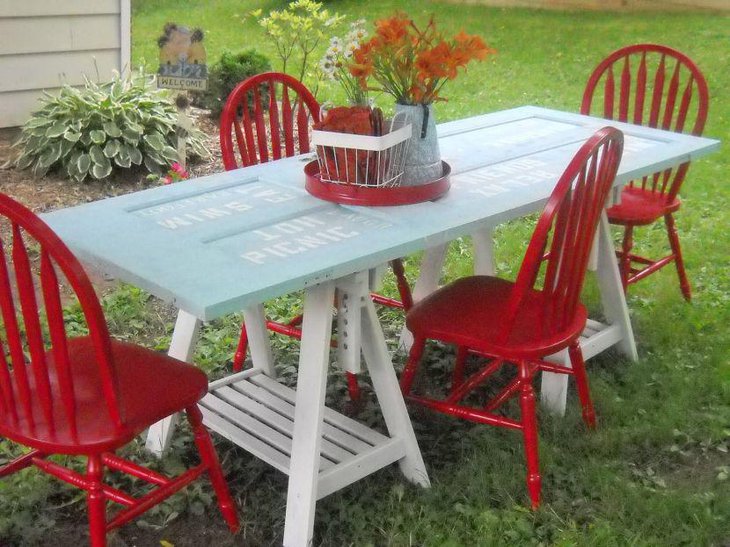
(414, 359)
(353, 387)
(625, 258)
(210, 459)
(404, 289)
(678, 260)
(96, 502)
(529, 432)
(240, 356)
(581, 381)
(21, 462)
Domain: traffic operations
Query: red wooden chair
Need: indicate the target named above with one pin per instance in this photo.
(523, 322)
(86, 395)
(267, 117)
(660, 87)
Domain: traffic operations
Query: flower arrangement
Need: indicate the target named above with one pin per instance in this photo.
(410, 63)
(336, 61)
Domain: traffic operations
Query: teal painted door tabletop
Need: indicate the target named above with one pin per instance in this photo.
(216, 244)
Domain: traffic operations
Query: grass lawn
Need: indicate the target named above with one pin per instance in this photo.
(656, 472)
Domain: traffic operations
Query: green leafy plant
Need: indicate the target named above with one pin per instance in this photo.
(99, 128)
(297, 31)
(227, 73)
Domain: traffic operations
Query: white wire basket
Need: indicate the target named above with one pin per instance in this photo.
(364, 160)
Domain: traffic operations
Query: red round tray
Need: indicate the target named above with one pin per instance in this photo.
(351, 194)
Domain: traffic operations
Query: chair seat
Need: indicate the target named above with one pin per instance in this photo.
(640, 207)
(151, 386)
(472, 312)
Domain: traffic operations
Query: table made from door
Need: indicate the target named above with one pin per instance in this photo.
(231, 241)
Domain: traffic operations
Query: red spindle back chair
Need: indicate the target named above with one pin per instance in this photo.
(86, 395)
(660, 87)
(268, 117)
(524, 321)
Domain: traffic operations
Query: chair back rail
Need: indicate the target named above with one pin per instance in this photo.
(33, 387)
(266, 117)
(652, 85)
(565, 232)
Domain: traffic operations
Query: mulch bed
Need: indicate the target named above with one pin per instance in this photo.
(55, 192)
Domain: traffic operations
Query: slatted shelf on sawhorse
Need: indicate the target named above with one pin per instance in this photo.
(257, 413)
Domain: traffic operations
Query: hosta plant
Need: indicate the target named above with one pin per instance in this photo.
(97, 129)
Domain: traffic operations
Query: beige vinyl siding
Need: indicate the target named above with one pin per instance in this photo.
(16, 105)
(46, 8)
(59, 33)
(47, 43)
(46, 70)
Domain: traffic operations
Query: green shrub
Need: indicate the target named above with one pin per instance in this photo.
(101, 128)
(227, 73)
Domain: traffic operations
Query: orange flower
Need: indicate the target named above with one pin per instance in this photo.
(413, 63)
(434, 62)
(473, 46)
(361, 71)
(393, 29)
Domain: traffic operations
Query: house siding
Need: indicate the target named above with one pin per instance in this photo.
(47, 43)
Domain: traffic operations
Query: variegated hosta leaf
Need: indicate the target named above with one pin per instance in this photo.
(155, 141)
(71, 135)
(83, 163)
(136, 156)
(102, 169)
(112, 130)
(56, 130)
(112, 148)
(170, 154)
(97, 154)
(97, 136)
(122, 159)
(151, 165)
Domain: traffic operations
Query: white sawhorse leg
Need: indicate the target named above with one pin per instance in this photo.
(554, 389)
(182, 346)
(432, 265)
(311, 386)
(390, 398)
(613, 298)
(483, 242)
(308, 412)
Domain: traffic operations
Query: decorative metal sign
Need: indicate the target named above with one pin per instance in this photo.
(183, 61)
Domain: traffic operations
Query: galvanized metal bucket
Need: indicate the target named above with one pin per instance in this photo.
(423, 158)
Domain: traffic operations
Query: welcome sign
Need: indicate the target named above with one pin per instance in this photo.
(183, 61)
